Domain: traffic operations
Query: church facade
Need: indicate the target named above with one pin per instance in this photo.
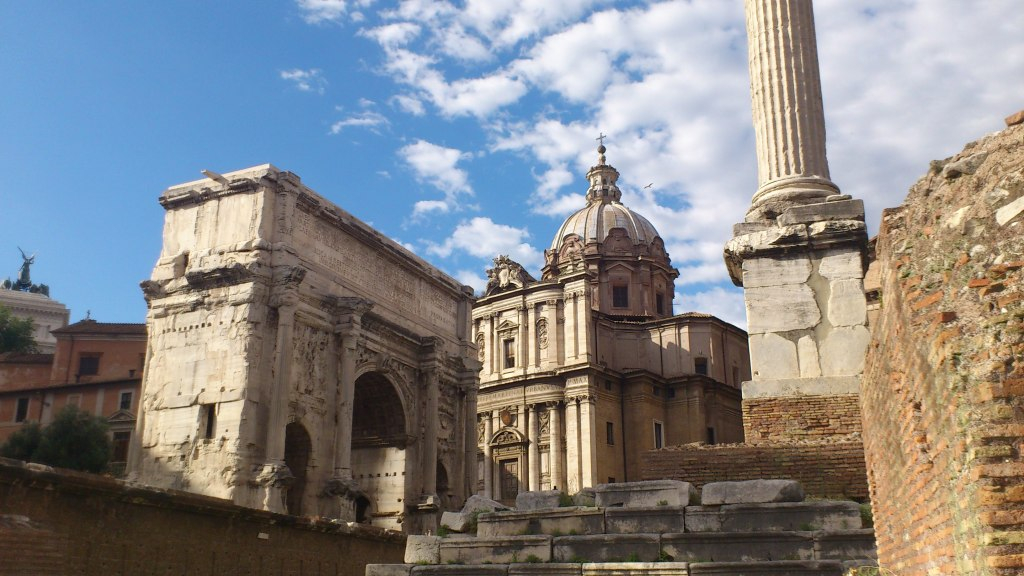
(588, 367)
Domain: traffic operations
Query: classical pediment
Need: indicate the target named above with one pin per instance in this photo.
(507, 436)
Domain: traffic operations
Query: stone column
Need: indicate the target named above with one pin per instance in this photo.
(556, 452)
(348, 327)
(588, 444)
(470, 455)
(571, 341)
(488, 462)
(275, 477)
(432, 384)
(572, 446)
(534, 449)
(800, 252)
(523, 362)
(789, 120)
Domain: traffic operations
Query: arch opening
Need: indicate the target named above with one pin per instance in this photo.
(379, 438)
(297, 450)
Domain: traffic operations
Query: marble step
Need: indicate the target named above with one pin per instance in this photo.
(833, 515)
(775, 568)
(551, 521)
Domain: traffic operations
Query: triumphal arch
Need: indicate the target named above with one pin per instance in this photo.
(299, 361)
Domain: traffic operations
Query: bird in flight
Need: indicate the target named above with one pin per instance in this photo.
(649, 185)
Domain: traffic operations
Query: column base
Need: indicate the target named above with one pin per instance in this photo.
(272, 486)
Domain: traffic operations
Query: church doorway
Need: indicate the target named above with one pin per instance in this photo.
(297, 448)
(508, 471)
(378, 449)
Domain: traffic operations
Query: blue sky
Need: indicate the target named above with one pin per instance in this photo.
(463, 129)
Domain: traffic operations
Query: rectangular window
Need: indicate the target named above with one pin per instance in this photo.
(659, 435)
(88, 365)
(607, 384)
(208, 417)
(609, 429)
(670, 392)
(659, 300)
(22, 411)
(700, 366)
(121, 441)
(125, 402)
(620, 296)
(657, 390)
(711, 435)
(611, 479)
(509, 348)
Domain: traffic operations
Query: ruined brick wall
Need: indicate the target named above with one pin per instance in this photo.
(943, 391)
(799, 417)
(827, 469)
(71, 523)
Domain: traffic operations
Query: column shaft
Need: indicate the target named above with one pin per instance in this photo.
(572, 447)
(534, 450)
(282, 370)
(346, 401)
(556, 453)
(588, 445)
(430, 432)
(488, 464)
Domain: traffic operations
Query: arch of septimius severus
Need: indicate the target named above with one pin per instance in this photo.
(301, 362)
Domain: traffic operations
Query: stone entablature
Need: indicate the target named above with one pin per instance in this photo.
(46, 315)
(301, 361)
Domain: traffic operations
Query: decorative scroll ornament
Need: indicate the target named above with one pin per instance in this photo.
(480, 347)
(506, 274)
(542, 333)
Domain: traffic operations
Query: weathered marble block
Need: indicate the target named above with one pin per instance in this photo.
(501, 550)
(776, 568)
(781, 308)
(553, 521)
(807, 214)
(422, 549)
(607, 548)
(456, 521)
(636, 569)
(388, 569)
(777, 517)
(461, 570)
(645, 494)
(846, 545)
(738, 546)
(751, 492)
(548, 569)
(538, 500)
(653, 520)
(781, 271)
(775, 356)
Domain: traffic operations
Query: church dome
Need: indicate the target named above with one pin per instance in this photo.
(604, 212)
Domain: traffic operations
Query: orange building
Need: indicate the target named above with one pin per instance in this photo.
(97, 366)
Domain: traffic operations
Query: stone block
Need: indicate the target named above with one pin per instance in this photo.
(585, 497)
(653, 520)
(807, 352)
(846, 545)
(847, 305)
(636, 569)
(422, 549)
(833, 231)
(1007, 213)
(781, 308)
(547, 569)
(388, 569)
(553, 521)
(645, 494)
(843, 350)
(776, 271)
(538, 500)
(461, 570)
(476, 503)
(703, 519)
(738, 547)
(841, 264)
(773, 356)
(455, 521)
(790, 516)
(810, 213)
(501, 550)
(790, 387)
(606, 548)
(776, 568)
(751, 492)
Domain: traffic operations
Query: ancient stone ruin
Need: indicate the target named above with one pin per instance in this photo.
(301, 362)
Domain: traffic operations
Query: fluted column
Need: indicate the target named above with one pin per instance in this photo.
(789, 120)
(534, 449)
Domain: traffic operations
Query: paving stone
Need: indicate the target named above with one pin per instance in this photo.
(739, 546)
(501, 550)
(636, 569)
(783, 568)
(651, 520)
(751, 491)
(553, 521)
(538, 500)
(607, 548)
(645, 494)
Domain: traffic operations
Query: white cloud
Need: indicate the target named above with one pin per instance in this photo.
(473, 279)
(409, 104)
(437, 166)
(320, 11)
(311, 80)
(483, 238)
(725, 303)
(368, 119)
(424, 207)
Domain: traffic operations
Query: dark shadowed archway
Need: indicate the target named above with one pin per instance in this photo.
(297, 448)
(379, 438)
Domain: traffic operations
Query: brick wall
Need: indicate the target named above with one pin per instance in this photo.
(827, 469)
(800, 417)
(72, 523)
(943, 391)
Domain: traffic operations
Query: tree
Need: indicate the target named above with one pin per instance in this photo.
(23, 443)
(75, 440)
(15, 333)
